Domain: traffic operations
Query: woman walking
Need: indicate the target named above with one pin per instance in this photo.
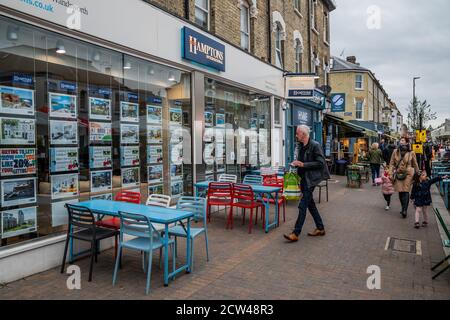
(404, 166)
(375, 160)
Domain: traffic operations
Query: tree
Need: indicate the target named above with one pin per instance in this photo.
(419, 113)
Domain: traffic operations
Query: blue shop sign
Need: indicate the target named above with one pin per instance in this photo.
(23, 79)
(301, 93)
(200, 49)
(338, 102)
(302, 116)
(154, 100)
(69, 86)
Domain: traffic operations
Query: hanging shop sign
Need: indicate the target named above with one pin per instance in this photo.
(338, 102)
(302, 116)
(421, 136)
(203, 50)
(417, 148)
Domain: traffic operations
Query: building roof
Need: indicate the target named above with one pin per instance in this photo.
(343, 65)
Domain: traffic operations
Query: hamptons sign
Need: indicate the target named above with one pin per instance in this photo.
(203, 50)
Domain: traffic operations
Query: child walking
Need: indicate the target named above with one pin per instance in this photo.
(387, 187)
(421, 195)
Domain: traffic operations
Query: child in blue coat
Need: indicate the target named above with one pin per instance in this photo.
(421, 195)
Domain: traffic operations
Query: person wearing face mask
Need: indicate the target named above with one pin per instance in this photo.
(404, 164)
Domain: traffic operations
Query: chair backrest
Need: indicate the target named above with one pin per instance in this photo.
(159, 200)
(220, 190)
(128, 196)
(252, 179)
(228, 178)
(196, 205)
(136, 225)
(274, 182)
(80, 217)
(243, 192)
(268, 171)
(442, 222)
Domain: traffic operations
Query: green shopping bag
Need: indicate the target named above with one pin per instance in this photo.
(292, 189)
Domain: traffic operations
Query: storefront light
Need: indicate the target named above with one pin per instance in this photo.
(171, 76)
(60, 49)
(127, 65)
(150, 71)
(12, 33)
(96, 56)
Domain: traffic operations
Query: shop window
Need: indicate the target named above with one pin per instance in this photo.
(245, 26)
(237, 130)
(202, 13)
(277, 112)
(80, 122)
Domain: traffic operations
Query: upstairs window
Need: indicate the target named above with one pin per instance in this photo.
(359, 110)
(245, 26)
(359, 81)
(278, 48)
(298, 57)
(326, 28)
(202, 13)
(297, 5)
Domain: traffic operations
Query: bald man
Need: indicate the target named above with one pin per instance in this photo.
(312, 169)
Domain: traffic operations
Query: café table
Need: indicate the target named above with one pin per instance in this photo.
(165, 216)
(446, 184)
(263, 193)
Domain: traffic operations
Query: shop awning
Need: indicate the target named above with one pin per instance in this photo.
(351, 130)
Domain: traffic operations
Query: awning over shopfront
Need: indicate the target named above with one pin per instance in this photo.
(350, 130)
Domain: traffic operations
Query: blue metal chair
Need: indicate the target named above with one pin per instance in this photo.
(253, 179)
(197, 206)
(146, 240)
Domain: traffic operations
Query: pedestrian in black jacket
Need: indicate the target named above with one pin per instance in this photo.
(312, 169)
(421, 195)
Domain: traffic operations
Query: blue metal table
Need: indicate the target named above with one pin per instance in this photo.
(446, 188)
(156, 214)
(441, 183)
(435, 170)
(263, 193)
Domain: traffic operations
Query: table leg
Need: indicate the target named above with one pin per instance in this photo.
(277, 212)
(188, 245)
(267, 208)
(166, 256)
(71, 248)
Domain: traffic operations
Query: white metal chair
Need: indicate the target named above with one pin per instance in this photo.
(228, 178)
(159, 200)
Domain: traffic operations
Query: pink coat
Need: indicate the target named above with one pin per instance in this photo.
(386, 185)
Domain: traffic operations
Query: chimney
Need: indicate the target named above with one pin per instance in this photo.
(351, 59)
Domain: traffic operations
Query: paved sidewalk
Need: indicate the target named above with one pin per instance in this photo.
(264, 266)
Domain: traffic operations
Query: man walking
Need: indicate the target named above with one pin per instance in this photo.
(312, 169)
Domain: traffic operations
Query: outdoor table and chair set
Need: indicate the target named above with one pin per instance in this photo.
(157, 226)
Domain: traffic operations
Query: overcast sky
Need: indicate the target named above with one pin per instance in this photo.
(413, 39)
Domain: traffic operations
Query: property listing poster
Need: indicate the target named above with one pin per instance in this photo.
(99, 109)
(17, 161)
(177, 188)
(16, 101)
(129, 112)
(63, 132)
(154, 134)
(100, 157)
(176, 172)
(62, 105)
(105, 196)
(100, 132)
(130, 177)
(154, 114)
(101, 180)
(18, 221)
(64, 185)
(18, 191)
(16, 131)
(155, 174)
(220, 120)
(129, 133)
(129, 156)
(176, 116)
(63, 159)
(154, 153)
(59, 212)
(155, 189)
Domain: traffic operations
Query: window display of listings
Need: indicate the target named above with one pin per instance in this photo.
(16, 100)
(82, 125)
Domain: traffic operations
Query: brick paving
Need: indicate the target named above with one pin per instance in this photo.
(264, 266)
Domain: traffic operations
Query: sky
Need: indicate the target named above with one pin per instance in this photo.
(399, 40)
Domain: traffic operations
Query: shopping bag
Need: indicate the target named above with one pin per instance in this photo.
(378, 180)
(292, 189)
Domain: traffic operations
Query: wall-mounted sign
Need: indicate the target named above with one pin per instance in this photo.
(338, 102)
(203, 50)
(302, 116)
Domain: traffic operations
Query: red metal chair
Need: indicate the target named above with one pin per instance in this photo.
(276, 182)
(244, 198)
(219, 194)
(114, 223)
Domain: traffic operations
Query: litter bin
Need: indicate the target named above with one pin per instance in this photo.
(340, 167)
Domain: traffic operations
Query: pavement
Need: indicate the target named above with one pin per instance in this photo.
(265, 266)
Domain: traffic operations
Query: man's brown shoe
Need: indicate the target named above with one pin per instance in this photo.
(317, 233)
(291, 237)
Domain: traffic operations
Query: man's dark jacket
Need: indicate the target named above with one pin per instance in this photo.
(315, 166)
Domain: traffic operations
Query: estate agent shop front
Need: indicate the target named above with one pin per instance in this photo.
(132, 99)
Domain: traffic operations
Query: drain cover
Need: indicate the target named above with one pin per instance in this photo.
(404, 245)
